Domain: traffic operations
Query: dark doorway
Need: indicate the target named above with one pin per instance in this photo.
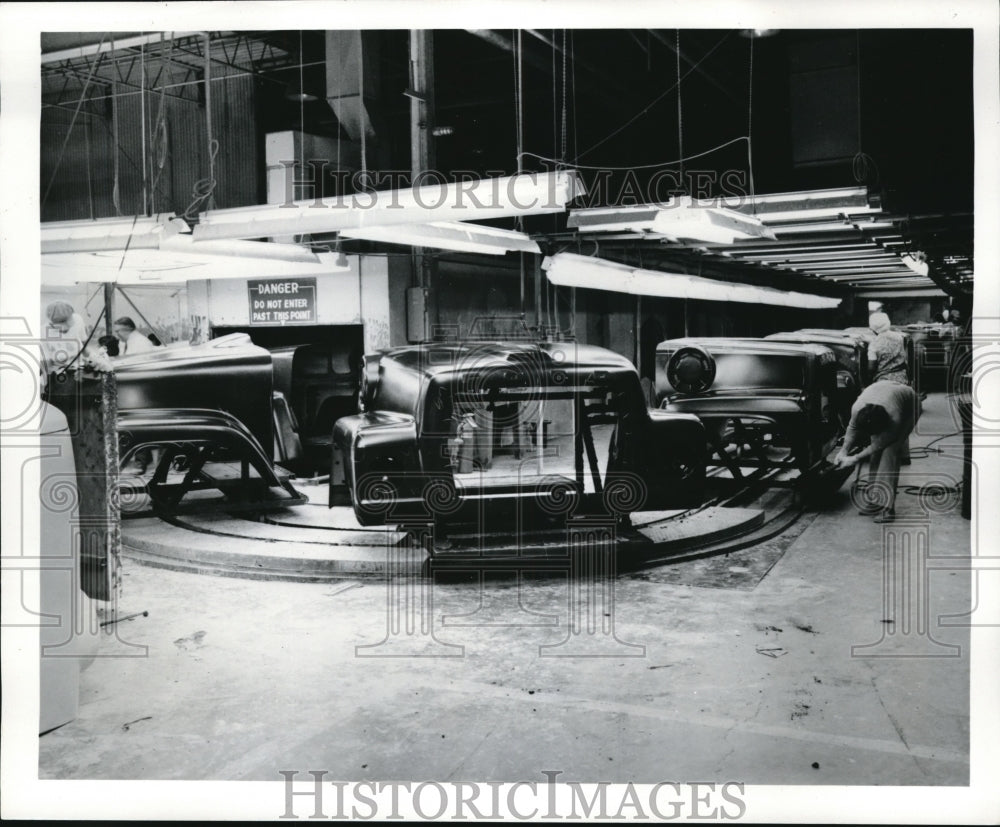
(316, 371)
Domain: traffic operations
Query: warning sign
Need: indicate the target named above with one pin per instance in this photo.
(284, 301)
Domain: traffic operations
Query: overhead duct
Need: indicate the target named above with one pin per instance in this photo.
(352, 79)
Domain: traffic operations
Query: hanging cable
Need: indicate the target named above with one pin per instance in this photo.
(753, 200)
(337, 112)
(115, 192)
(90, 186)
(142, 125)
(339, 129)
(98, 290)
(857, 59)
(555, 98)
(302, 112)
(361, 113)
(213, 145)
(204, 188)
(863, 166)
(158, 135)
(680, 115)
(672, 162)
(139, 313)
(572, 63)
(518, 100)
(555, 113)
(76, 112)
(302, 132)
(655, 100)
(562, 142)
(128, 242)
(519, 220)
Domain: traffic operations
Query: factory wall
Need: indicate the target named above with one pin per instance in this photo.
(360, 296)
(912, 311)
(78, 156)
(463, 299)
(463, 293)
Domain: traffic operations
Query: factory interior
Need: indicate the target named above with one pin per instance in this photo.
(439, 410)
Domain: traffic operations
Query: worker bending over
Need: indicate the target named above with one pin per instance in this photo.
(882, 418)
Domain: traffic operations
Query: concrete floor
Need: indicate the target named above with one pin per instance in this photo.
(722, 669)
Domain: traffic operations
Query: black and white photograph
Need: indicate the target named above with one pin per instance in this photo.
(478, 411)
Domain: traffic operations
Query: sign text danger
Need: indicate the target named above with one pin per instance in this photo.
(285, 301)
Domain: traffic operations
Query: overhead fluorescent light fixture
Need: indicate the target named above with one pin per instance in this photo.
(844, 225)
(484, 200)
(134, 233)
(572, 270)
(681, 219)
(149, 250)
(459, 236)
(162, 232)
(715, 225)
(853, 199)
(778, 210)
(172, 267)
(177, 239)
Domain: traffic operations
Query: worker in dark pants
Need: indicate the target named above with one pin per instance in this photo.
(883, 417)
(887, 360)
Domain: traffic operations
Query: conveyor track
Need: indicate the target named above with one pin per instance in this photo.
(635, 553)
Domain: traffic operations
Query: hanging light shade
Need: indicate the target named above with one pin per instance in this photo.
(687, 221)
(295, 92)
(461, 236)
(571, 270)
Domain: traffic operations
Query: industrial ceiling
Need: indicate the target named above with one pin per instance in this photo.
(855, 151)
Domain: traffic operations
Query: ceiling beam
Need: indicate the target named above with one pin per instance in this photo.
(80, 52)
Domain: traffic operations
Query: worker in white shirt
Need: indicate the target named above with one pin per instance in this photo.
(65, 343)
(132, 341)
